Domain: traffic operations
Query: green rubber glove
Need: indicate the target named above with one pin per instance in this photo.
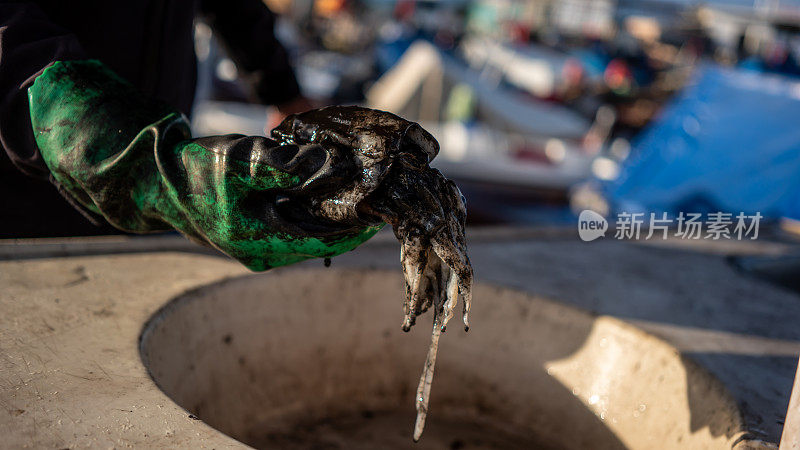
(133, 161)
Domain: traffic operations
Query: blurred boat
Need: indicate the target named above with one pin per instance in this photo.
(508, 143)
(541, 71)
(509, 178)
(480, 154)
(418, 87)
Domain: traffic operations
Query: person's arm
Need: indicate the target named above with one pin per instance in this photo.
(246, 29)
(29, 42)
(133, 161)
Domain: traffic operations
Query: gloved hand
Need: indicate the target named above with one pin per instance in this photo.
(133, 161)
(381, 141)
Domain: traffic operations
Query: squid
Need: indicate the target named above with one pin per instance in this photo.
(434, 260)
(396, 185)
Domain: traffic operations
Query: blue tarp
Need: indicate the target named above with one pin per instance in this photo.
(729, 142)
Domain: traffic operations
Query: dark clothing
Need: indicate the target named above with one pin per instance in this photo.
(148, 42)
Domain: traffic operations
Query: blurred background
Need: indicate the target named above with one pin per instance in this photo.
(544, 108)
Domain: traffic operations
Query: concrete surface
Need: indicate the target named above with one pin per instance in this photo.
(790, 438)
(276, 361)
(70, 373)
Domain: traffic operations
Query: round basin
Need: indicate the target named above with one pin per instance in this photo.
(308, 358)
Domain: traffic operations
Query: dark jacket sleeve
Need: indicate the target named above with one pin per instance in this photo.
(29, 42)
(247, 30)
